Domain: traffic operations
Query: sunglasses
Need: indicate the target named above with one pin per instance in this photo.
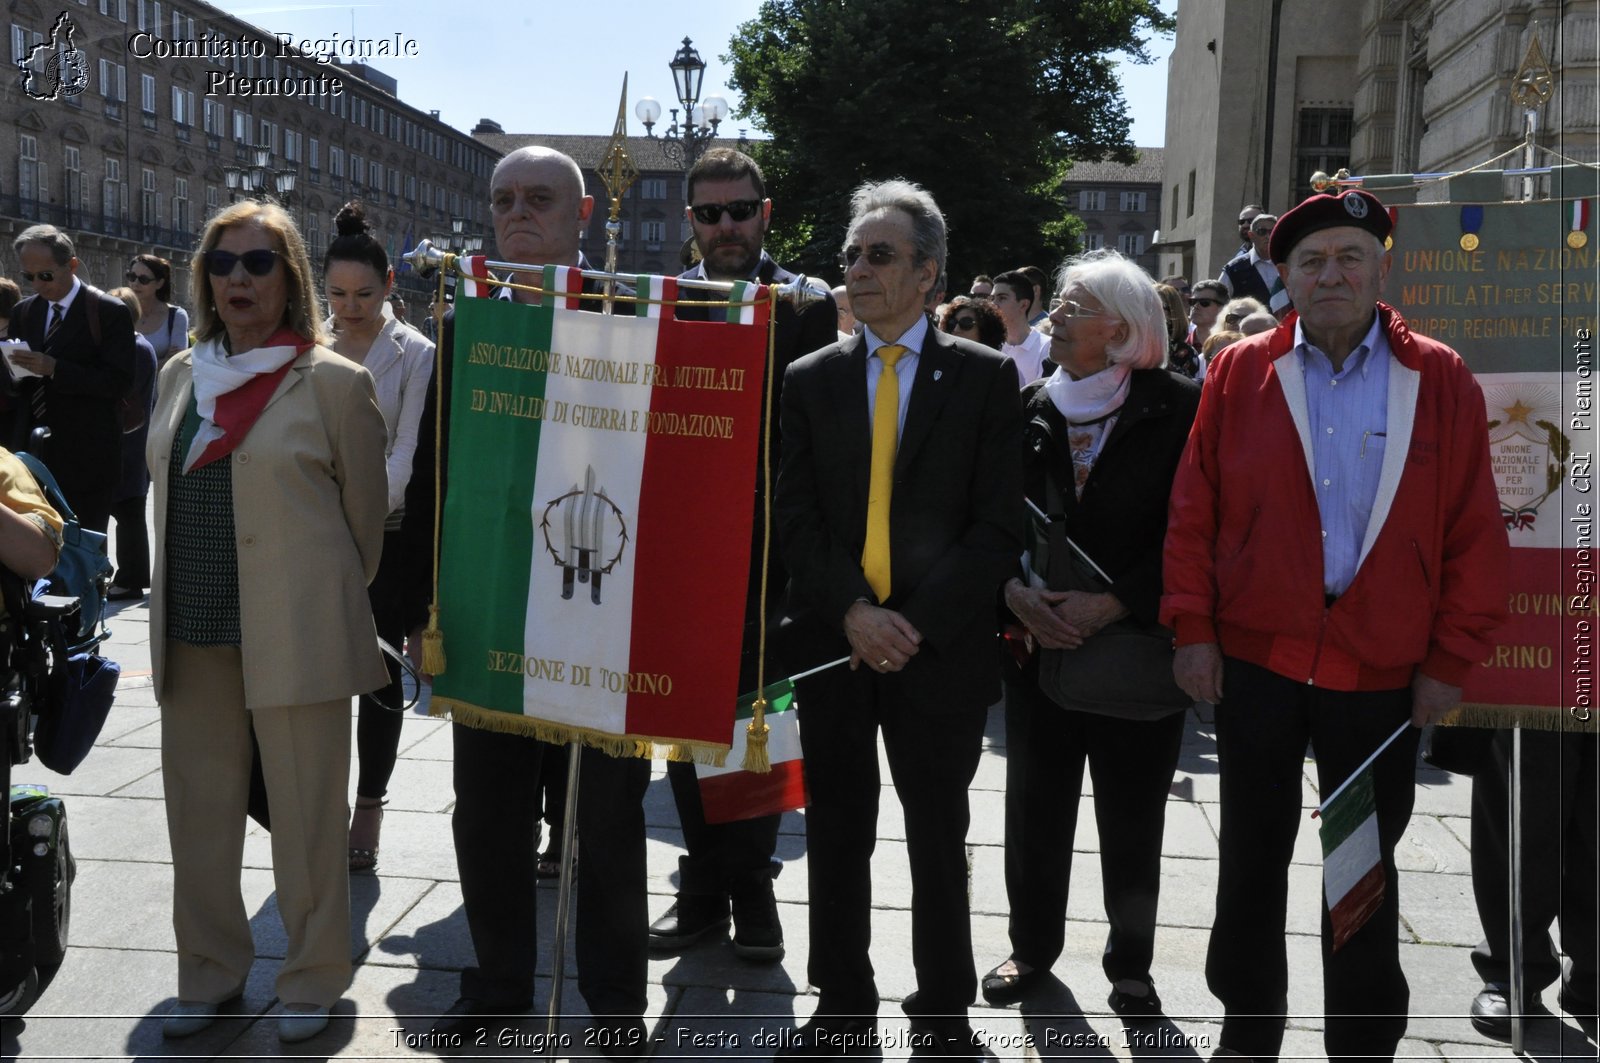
(43, 275)
(257, 263)
(139, 278)
(1073, 308)
(738, 210)
(965, 322)
(877, 256)
(1207, 303)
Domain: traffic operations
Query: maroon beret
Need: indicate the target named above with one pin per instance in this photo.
(1322, 211)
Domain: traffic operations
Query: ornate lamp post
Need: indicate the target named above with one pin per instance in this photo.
(260, 181)
(684, 143)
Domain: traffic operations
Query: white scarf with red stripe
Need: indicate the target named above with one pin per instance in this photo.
(231, 390)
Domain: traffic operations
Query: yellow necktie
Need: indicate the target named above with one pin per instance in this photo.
(885, 440)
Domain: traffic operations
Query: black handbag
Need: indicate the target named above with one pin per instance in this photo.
(1125, 668)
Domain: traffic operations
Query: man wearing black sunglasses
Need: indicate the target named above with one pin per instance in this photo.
(81, 350)
(728, 866)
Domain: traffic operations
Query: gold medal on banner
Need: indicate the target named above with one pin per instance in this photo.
(1469, 241)
(1577, 238)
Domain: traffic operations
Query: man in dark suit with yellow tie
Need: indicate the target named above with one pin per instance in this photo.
(82, 348)
(899, 506)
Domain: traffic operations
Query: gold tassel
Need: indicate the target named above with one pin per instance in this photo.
(433, 644)
(755, 740)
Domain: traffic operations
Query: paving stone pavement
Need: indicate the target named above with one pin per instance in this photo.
(409, 936)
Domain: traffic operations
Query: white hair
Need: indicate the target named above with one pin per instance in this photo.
(1128, 294)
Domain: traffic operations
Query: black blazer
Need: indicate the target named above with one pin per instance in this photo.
(955, 526)
(794, 333)
(1121, 520)
(81, 398)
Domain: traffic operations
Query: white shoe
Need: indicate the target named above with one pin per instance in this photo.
(187, 1017)
(300, 1022)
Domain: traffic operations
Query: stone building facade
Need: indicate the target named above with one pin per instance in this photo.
(136, 160)
(1263, 93)
(1119, 204)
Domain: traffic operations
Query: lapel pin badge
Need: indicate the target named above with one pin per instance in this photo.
(937, 373)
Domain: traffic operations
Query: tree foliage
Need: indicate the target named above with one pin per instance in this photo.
(983, 104)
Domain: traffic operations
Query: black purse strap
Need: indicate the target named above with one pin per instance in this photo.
(405, 666)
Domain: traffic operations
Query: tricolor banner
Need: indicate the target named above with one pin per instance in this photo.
(1352, 868)
(596, 534)
(1521, 306)
(730, 793)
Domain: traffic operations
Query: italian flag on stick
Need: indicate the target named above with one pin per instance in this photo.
(1352, 868)
(731, 793)
(1352, 861)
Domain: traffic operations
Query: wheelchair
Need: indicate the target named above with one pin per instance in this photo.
(36, 864)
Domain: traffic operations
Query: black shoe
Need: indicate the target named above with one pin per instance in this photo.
(468, 1015)
(1133, 1007)
(620, 1037)
(691, 917)
(834, 1035)
(1009, 988)
(757, 931)
(1491, 1010)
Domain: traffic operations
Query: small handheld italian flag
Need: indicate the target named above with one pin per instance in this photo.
(1352, 866)
(731, 793)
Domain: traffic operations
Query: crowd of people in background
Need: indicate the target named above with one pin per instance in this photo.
(288, 436)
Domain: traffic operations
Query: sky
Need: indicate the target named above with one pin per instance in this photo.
(537, 66)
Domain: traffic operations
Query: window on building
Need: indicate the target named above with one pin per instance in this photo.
(1093, 241)
(147, 93)
(77, 193)
(112, 193)
(215, 118)
(1322, 142)
(1174, 205)
(653, 232)
(314, 154)
(268, 136)
(1091, 199)
(241, 127)
(411, 188)
(1131, 244)
(180, 204)
(22, 40)
(182, 106)
(29, 184)
(1190, 213)
(149, 208)
(211, 200)
(336, 161)
(113, 81)
(653, 188)
(293, 141)
(375, 176)
(1132, 202)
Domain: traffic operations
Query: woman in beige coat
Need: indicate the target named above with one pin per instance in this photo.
(266, 455)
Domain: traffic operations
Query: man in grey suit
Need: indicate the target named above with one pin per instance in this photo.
(899, 505)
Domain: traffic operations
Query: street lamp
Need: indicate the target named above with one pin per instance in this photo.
(684, 144)
(260, 181)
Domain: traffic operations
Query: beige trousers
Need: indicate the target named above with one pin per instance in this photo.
(205, 764)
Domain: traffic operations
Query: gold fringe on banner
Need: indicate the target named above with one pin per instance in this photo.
(1528, 717)
(643, 746)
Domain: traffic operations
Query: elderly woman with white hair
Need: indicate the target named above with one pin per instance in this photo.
(1105, 434)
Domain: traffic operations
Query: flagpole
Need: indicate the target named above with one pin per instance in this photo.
(820, 668)
(1364, 765)
(569, 831)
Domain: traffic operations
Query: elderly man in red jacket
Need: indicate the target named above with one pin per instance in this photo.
(1335, 564)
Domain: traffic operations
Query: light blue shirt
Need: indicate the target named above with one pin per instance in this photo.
(905, 370)
(1348, 413)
